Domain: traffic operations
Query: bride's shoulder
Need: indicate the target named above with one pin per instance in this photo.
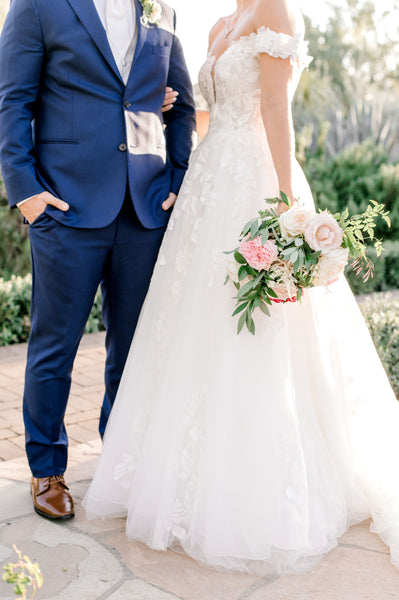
(282, 16)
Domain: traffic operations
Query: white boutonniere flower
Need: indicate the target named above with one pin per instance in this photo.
(152, 12)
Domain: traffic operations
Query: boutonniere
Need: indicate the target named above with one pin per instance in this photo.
(152, 12)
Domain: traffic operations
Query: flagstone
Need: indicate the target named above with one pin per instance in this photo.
(344, 574)
(177, 573)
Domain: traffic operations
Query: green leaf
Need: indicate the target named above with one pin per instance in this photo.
(245, 289)
(246, 229)
(240, 309)
(265, 309)
(239, 258)
(257, 302)
(264, 237)
(241, 322)
(285, 199)
(227, 279)
(254, 229)
(242, 272)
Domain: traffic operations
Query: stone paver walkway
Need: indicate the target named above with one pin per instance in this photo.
(84, 560)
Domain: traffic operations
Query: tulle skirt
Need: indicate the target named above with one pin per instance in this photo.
(252, 453)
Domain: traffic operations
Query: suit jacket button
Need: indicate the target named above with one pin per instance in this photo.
(122, 147)
(127, 104)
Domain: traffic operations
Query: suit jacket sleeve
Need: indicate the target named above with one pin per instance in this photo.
(21, 60)
(180, 121)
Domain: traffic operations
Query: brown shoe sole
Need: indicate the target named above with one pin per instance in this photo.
(47, 516)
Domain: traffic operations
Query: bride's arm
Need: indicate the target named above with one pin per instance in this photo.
(202, 122)
(276, 76)
(277, 118)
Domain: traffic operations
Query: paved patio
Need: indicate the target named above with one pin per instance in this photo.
(84, 560)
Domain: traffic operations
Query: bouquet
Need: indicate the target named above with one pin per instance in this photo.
(279, 256)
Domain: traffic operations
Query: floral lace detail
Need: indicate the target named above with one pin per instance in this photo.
(281, 45)
(188, 473)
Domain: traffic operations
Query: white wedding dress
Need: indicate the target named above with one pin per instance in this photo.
(248, 453)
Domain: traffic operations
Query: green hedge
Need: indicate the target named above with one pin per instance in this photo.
(15, 308)
(351, 178)
(382, 316)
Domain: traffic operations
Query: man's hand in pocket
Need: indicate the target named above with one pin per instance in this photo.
(169, 202)
(35, 206)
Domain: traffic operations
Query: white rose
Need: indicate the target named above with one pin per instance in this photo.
(330, 266)
(294, 221)
(323, 233)
(156, 12)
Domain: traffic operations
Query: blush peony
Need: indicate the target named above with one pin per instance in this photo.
(294, 221)
(330, 266)
(259, 256)
(323, 233)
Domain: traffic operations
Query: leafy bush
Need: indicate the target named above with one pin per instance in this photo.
(14, 242)
(15, 309)
(382, 316)
(351, 178)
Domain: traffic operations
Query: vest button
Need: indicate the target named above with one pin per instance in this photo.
(127, 104)
(122, 147)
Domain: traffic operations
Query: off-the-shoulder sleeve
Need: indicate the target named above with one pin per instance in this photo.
(281, 45)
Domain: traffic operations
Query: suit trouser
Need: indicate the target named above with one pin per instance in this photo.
(68, 266)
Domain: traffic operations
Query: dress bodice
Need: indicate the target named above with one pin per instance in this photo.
(231, 83)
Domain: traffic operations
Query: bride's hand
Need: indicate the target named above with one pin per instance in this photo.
(283, 207)
(169, 100)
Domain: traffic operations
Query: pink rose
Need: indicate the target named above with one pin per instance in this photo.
(323, 233)
(259, 256)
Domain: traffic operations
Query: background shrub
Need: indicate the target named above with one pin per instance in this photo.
(15, 310)
(382, 316)
(14, 242)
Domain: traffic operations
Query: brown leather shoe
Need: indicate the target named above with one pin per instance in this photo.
(51, 497)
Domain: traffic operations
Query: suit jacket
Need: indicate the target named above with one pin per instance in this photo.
(70, 126)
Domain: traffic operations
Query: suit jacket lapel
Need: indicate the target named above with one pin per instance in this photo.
(141, 31)
(88, 16)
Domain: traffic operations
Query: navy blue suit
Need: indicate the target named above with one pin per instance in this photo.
(69, 125)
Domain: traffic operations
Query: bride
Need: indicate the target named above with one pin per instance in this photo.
(248, 453)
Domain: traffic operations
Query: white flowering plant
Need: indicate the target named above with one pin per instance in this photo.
(279, 256)
(152, 12)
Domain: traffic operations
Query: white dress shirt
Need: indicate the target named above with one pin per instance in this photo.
(123, 60)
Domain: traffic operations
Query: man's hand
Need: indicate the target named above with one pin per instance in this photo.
(35, 206)
(169, 202)
(169, 100)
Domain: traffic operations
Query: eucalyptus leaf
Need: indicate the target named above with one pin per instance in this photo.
(241, 322)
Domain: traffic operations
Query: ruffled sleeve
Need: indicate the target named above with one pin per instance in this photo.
(281, 45)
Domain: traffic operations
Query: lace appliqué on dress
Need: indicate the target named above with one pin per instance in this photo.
(281, 45)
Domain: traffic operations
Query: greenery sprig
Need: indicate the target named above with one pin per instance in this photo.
(22, 575)
(358, 230)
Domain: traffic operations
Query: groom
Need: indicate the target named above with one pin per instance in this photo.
(94, 168)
